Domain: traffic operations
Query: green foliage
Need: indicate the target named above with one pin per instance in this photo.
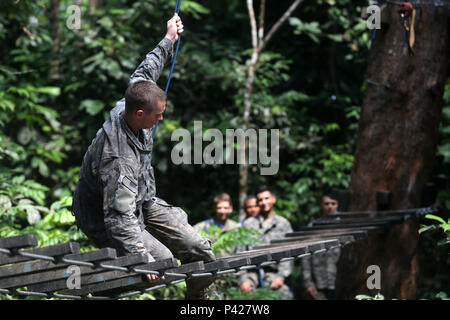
(444, 147)
(230, 240)
(173, 292)
(21, 202)
(443, 225)
(378, 296)
(20, 213)
(442, 295)
(434, 264)
(439, 268)
(434, 237)
(327, 168)
(262, 293)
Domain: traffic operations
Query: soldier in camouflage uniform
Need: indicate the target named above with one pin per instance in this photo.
(271, 226)
(319, 270)
(223, 207)
(115, 201)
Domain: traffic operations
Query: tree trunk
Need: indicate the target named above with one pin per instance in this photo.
(55, 32)
(259, 42)
(395, 152)
(94, 3)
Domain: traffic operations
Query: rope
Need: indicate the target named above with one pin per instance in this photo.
(176, 11)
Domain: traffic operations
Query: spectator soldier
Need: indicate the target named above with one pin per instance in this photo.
(319, 270)
(271, 226)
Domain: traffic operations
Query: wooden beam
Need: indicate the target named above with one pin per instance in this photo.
(17, 242)
(53, 251)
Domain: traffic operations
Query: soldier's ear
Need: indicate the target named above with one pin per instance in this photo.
(139, 113)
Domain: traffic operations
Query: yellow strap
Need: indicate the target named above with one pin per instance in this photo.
(411, 30)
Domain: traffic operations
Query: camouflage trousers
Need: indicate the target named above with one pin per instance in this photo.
(168, 234)
(268, 277)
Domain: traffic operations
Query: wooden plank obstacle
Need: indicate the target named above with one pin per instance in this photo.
(26, 269)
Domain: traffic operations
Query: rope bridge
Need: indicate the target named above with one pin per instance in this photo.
(43, 271)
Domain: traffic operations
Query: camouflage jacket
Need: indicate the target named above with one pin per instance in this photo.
(320, 269)
(272, 229)
(116, 177)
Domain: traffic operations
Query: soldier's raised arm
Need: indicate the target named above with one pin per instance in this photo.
(150, 69)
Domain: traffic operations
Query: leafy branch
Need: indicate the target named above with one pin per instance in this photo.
(443, 226)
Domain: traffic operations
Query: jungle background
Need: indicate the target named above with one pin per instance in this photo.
(57, 86)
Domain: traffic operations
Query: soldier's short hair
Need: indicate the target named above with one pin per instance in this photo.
(250, 197)
(328, 193)
(222, 197)
(262, 189)
(143, 94)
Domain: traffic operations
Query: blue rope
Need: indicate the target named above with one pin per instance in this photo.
(372, 37)
(261, 278)
(177, 6)
(177, 10)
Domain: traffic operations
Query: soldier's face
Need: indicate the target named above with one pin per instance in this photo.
(328, 205)
(251, 207)
(149, 119)
(265, 201)
(223, 209)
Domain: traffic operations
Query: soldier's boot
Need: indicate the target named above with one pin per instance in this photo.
(197, 289)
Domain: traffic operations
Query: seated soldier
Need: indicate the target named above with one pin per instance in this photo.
(319, 270)
(271, 226)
